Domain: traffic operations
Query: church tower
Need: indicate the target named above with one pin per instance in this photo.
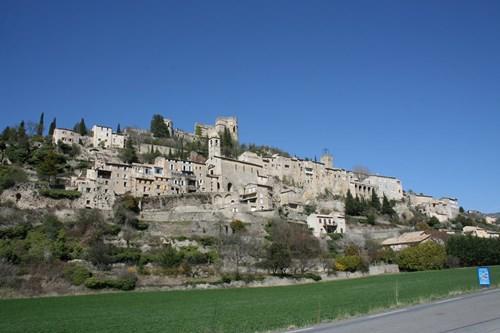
(327, 159)
(214, 144)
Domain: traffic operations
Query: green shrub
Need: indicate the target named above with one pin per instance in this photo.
(312, 276)
(18, 231)
(170, 258)
(425, 256)
(76, 274)
(206, 240)
(126, 282)
(126, 255)
(95, 283)
(60, 194)
(10, 176)
(349, 263)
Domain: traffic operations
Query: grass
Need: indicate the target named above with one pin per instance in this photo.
(231, 310)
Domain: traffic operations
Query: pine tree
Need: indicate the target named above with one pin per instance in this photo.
(52, 127)
(40, 127)
(375, 201)
(21, 131)
(387, 207)
(158, 127)
(80, 127)
(128, 154)
(350, 204)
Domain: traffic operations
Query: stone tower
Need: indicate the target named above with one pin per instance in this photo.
(214, 144)
(327, 159)
(229, 123)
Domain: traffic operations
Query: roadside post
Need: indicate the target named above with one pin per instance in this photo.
(483, 275)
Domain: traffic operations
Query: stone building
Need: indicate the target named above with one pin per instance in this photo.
(221, 124)
(103, 136)
(322, 224)
(66, 136)
(249, 183)
(444, 209)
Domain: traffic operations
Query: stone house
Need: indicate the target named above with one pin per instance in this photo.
(104, 136)
(322, 224)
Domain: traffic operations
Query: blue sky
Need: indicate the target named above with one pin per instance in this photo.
(405, 88)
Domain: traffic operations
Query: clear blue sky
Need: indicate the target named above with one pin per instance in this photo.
(405, 88)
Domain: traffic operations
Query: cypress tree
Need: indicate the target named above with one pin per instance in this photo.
(80, 127)
(39, 128)
(52, 127)
(375, 201)
(387, 207)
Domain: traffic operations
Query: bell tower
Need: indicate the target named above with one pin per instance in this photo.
(214, 144)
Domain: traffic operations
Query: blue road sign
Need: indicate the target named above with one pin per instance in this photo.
(483, 274)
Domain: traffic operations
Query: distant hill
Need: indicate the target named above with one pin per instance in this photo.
(495, 215)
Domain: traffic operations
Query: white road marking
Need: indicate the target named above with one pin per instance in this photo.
(302, 330)
(448, 300)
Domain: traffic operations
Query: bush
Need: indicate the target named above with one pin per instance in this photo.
(170, 258)
(349, 263)
(76, 274)
(127, 282)
(226, 278)
(10, 176)
(206, 240)
(95, 283)
(312, 276)
(425, 256)
(60, 194)
(129, 255)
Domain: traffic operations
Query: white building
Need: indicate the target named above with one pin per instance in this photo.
(322, 224)
(103, 136)
(66, 136)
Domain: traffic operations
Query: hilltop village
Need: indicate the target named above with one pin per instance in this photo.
(104, 208)
(248, 182)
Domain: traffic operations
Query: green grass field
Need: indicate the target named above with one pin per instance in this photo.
(230, 310)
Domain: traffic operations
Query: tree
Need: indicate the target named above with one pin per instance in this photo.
(197, 131)
(51, 166)
(349, 263)
(52, 127)
(375, 201)
(361, 172)
(126, 211)
(80, 127)
(158, 127)
(237, 246)
(354, 206)
(40, 127)
(128, 154)
(21, 131)
(433, 222)
(278, 258)
(425, 256)
(387, 207)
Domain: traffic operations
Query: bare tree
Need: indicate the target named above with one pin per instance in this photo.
(362, 172)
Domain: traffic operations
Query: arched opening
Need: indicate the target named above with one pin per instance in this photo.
(229, 187)
(218, 186)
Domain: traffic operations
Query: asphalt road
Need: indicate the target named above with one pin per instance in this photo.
(478, 313)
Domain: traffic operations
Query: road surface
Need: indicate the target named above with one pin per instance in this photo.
(478, 313)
